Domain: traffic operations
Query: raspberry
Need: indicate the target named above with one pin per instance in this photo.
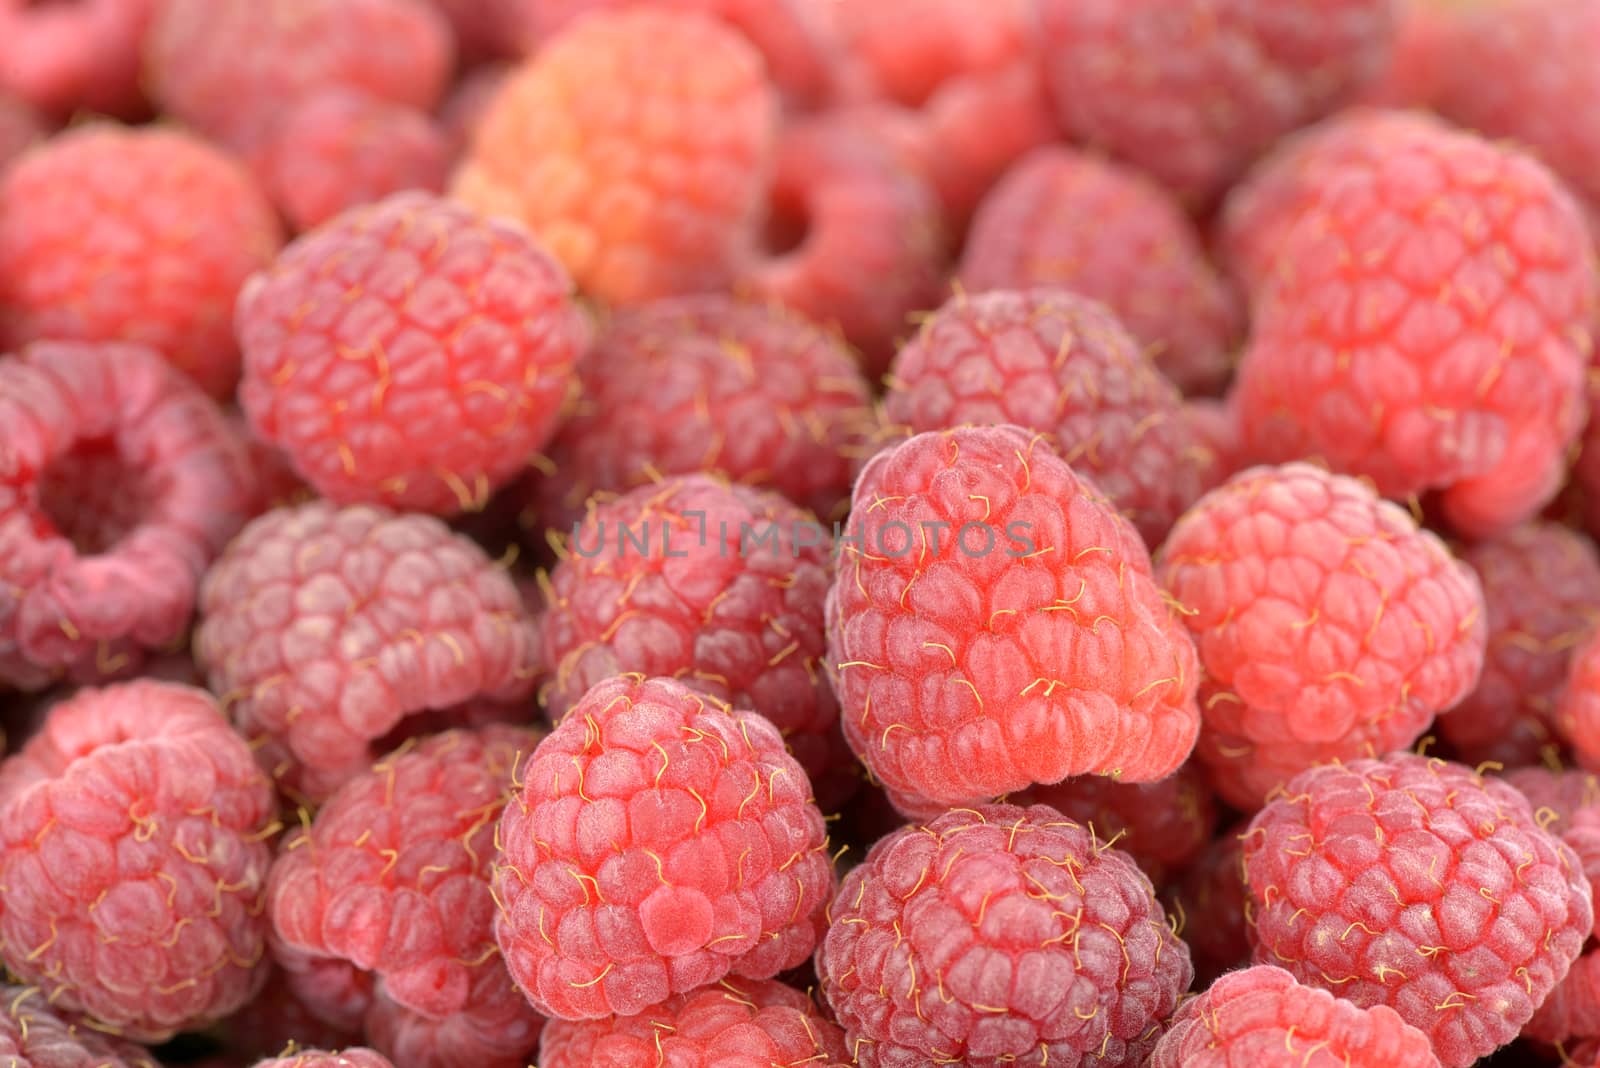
(1190, 91)
(907, 50)
(754, 1023)
(133, 833)
(33, 1036)
(1063, 218)
(994, 623)
(726, 594)
(119, 484)
(1418, 884)
(140, 235)
(995, 935)
(1573, 1008)
(1566, 804)
(1163, 826)
(1427, 325)
(752, 392)
(20, 127)
(81, 56)
(648, 852)
(324, 628)
(1208, 906)
(393, 876)
(337, 150)
(1213, 432)
(463, 110)
(1053, 361)
(277, 1019)
(488, 30)
(1541, 583)
(635, 145)
(1415, 70)
(855, 230)
(409, 353)
(231, 68)
(1261, 1015)
(1329, 624)
(355, 1057)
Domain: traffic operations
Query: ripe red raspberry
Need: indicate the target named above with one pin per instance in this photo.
(33, 1036)
(1418, 884)
(999, 935)
(133, 851)
(907, 50)
(355, 1057)
(719, 586)
(751, 391)
(230, 68)
(120, 482)
(1427, 326)
(140, 235)
(392, 875)
(1329, 624)
(751, 1023)
(855, 232)
(20, 127)
(1059, 363)
(660, 841)
(1207, 904)
(74, 57)
(410, 353)
(1262, 1016)
(1567, 804)
(1191, 90)
(1573, 1008)
(994, 623)
(635, 146)
(1063, 218)
(324, 628)
(337, 150)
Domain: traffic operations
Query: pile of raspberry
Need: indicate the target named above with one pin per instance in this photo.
(844, 533)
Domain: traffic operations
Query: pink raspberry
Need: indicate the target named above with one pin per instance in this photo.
(1063, 365)
(132, 234)
(355, 1057)
(74, 57)
(999, 935)
(393, 876)
(230, 68)
(409, 353)
(119, 484)
(1330, 625)
(1060, 217)
(33, 1036)
(718, 586)
(1573, 1008)
(907, 50)
(750, 391)
(1207, 905)
(1262, 1016)
(1567, 804)
(648, 852)
(1578, 709)
(324, 628)
(337, 150)
(1418, 884)
(994, 623)
(20, 128)
(133, 843)
(469, 101)
(751, 1023)
(1213, 430)
(1191, 90)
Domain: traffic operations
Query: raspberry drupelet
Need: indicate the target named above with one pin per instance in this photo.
(409, 353)
(635, 145)
(659, 842)
(133, 850)
(322, 629)
(1418, 884)
(119, 484)
(999, 935)
(994, 623)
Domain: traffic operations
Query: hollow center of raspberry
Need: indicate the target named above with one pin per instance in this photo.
(93, 496)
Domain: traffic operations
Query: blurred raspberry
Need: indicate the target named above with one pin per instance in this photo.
(119, 484)
(1064, 218)
(1213, 432)
(1418, 884)
(132, 234)
(1244, 1017)
(1578, 710)
(1330, 625)
(999, 935)
(232, 68)
(993, 623)
(1413, 76)
(275, 482)
(336, 150)
(1052, 361)
(133, 833)
(1426, 322)
(1191, 90)
(463, 110)
(74, 57)
(635, 146)
(752, 392)
(323, 628)
(667, 841)
(20, 128)
(33, 1036)
(488, 30)
(750, 1022)
(278, 1019)
(1567, 804)
(355, 1057)
(1579, 502)
(907, 50)
(409, 353)
(393, 875)
(1207, 903)
(1573, 1008)
(855, 234)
